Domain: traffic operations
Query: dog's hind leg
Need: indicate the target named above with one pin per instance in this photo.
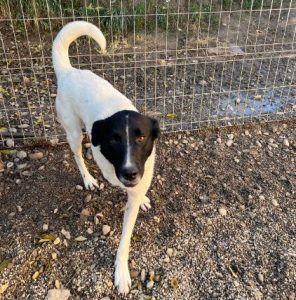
(72, 126)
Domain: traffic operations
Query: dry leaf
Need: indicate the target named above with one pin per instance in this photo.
(174, 283)
(7, 152)
(47, 238)
(4, 264)
(172, 115)
(80, 238)
(39, 120)
(2, 89)
(3, 288)
(35, 275)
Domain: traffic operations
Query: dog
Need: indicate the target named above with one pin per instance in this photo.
(123, 140)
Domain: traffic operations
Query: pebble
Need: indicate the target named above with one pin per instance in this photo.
(260, 277)
(10, 143)
(229, 143)
(54, 142)
(134, 274)
(45, 227)
(143, 275)
(66, 234)
(166, 259)
(150, 284)
(219, 141)
(151, 275)
(274, 202)
(86, 212)
(21, 166)
(222, 211)
(57, 284)
(261, 197)
(105, 298)
(19, 208)
(1, 166)
(101, 187)
(79, 187)
(89, 231)
(9, 165)
(106, 229)
(57, 241)
(35, 275)
(230, 136)
(21, 154)
(170, 252)
(23, 126)
(36, 155)
(286, 142)
(88, 198)
(58, 294)
(54, 255)
(203, 82)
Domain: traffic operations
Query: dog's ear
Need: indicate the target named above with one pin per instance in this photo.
(155, 132)
(97, 132)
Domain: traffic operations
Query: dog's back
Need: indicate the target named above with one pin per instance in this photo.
(81, 92)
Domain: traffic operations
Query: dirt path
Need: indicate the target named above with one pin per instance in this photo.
(227, 212)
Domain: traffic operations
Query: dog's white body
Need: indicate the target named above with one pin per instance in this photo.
(83, 98)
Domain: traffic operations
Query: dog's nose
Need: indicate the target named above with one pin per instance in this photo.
(130, 173)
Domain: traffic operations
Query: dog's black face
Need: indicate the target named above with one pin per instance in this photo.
(126, 140)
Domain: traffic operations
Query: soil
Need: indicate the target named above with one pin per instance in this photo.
(228, 213)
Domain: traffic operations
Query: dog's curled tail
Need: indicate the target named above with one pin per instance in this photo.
(66, 36)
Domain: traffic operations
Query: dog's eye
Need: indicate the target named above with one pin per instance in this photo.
(140, 139)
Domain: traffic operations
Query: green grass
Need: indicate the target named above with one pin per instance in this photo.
(128, 18)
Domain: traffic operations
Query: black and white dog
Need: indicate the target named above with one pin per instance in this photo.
(122, 139)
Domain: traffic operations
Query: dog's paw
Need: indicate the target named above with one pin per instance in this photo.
(145, 205)
(122, 279)
(90, 183)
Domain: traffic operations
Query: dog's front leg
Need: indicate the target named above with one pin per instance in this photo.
(122, 275)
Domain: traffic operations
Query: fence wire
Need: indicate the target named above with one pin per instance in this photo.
(190, 64)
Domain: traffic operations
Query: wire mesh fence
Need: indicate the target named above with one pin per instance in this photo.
(190, 64)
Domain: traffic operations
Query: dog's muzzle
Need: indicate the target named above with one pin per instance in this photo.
(130, 176)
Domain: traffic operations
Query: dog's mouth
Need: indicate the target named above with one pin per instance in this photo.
(129, 183)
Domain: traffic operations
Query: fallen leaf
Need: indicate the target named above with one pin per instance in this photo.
(7, 152)
(174, 283)
(172, 115)
(135, 238)
(47, 238)
(2, 89)
(4, 264)
(258, 294)
(3, 288)
(39, 120)
(232, 272)
(80, 238)
(35, 275)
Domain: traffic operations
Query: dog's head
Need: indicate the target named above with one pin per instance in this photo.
(126, 140)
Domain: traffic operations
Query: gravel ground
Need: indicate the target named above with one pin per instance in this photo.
(222, 223)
